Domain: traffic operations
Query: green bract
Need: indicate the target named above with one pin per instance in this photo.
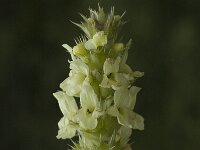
(98, 98)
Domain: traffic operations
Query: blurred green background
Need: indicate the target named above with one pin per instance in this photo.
(166, 46)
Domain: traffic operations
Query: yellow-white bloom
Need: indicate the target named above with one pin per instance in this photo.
(69, 109)
(90, 107)
(101, 81)
(112, 77)
(124, 102)
(73, 84)
(66, 130)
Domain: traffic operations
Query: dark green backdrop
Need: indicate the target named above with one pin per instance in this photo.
(166, 36)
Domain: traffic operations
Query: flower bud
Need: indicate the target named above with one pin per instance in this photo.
(117, 18)
(100, 38)
(118, 47)
(79, 50)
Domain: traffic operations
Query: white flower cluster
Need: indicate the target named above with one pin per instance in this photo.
(97, 99)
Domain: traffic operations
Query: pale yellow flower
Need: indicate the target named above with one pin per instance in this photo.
(73, 84)
(90, 107)
(124, 102)
(69, 109)
(112, 77)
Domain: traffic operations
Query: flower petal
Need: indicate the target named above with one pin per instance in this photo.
(124, 118)
(65, 129)
(79, 67)
(132, 96)
(111, 66)
(112, 111)
(69, 49)
(88, 97)
(124, 68)
(137, 121)
(66, 103)
(121, 97)
(66, 46)
(130, 119)
(86, 121)
(121, 80)
(72, 85)
(105, 82)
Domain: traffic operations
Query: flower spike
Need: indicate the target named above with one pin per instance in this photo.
(97, 100)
